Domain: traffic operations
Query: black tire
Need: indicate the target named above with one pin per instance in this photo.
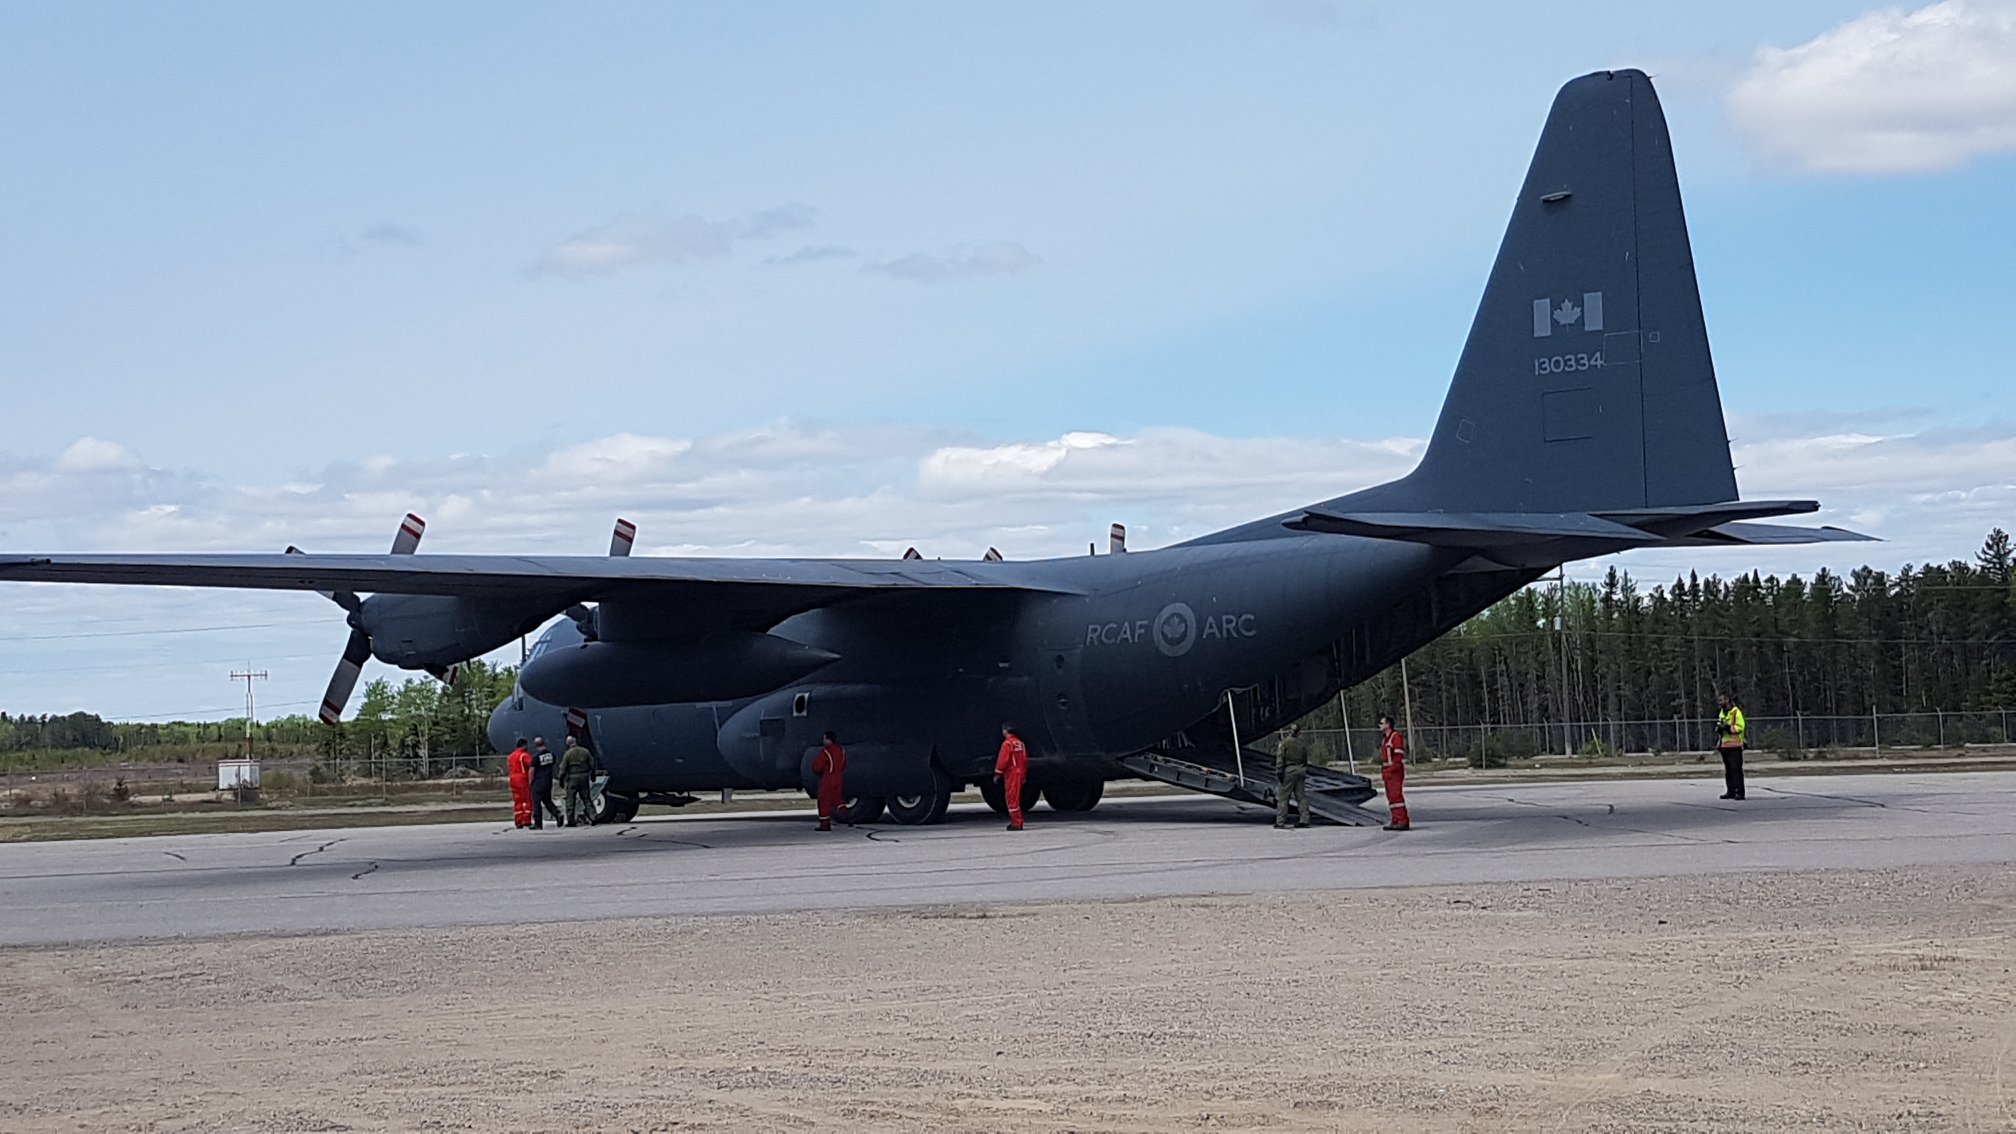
(614, 808)
(1075, 795)
(997, 796)
(861, 809)
(917, 810)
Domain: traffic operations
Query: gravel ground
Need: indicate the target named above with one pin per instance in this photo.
(1878, 1000)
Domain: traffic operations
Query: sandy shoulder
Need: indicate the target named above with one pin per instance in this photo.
(1880, 1000)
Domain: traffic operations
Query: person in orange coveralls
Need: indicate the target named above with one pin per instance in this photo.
(520, 766)
(1011, 767)
(1393, 770)
(830, 766)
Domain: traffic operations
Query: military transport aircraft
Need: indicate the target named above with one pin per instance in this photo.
(1583, 419)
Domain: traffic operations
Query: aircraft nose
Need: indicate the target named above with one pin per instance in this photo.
(504, 724)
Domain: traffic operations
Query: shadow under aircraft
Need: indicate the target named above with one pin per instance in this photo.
(1583, 419)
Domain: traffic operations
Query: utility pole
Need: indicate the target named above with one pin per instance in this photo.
(1407, 701)
(1561, 631)
(248, 676)
(1344, 715)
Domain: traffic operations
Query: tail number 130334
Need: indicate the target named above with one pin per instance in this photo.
(1564, 363)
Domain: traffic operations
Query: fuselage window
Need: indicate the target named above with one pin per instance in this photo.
(801, 704)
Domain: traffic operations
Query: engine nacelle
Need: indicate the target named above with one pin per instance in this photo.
(436, 631)
(724, 665)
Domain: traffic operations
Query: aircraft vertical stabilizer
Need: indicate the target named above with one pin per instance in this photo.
(1586, 384)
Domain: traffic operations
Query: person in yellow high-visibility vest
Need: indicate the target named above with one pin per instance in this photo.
(1731, 730)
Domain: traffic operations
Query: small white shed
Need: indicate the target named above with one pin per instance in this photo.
(233, 775)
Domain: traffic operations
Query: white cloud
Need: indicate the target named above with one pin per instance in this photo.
(621, 459)
(811, 254)
(639, 241)
(1891, 91)
(994, 258)
(785, 489)
(95, 455)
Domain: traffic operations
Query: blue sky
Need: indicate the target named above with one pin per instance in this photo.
(833, 279)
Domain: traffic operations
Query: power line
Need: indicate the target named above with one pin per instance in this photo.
(174, 630)
(174, 664)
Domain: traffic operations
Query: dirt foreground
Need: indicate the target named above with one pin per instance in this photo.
(1827, 1001)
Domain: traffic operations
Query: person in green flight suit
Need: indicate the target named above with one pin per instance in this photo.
(1291, 768)
(577, 771)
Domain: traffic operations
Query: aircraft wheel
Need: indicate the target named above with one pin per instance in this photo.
(611, 807)
(997, 796)
(1077, 796)
(861, 809)
(916, 810)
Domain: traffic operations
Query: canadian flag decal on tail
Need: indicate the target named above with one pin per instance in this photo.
(1547, 313)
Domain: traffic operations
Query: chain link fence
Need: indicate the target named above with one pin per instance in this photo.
(391, 775)
(1792, 738)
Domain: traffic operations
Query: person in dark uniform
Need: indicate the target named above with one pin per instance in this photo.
(577, 770)
(544, 764)
(1291, 767)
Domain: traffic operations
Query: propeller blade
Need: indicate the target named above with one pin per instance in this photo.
(993, 555)
(912, 553)
(343, 682)
(621, 539)
(410, 531)
(1116, 539)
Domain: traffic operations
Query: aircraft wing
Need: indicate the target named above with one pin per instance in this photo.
(741, 584)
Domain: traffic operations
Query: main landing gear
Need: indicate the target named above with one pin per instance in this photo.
(1073, 795)
(1066, 795)
(909, 810)
(606, 806)
(997, 796)
(860, 809)
(916, 810)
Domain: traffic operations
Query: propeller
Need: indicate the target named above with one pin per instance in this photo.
(357, 650)
(585, 616)
(1116, 539)
(912, 553)
(993, 556)
(620, 542)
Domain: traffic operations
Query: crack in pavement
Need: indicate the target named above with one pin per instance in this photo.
(173, 855)
(1612, 810)
(1824, 795)
(371, 869)
(296, 860)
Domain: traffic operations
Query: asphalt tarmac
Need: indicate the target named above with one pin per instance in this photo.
(487, 874)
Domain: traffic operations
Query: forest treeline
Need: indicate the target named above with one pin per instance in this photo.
(1937, 638)
(1931, 638)
(418, 726)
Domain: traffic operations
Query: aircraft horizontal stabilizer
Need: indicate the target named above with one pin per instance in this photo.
(1723, 535)
(1468, 529)
(1707, 525)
